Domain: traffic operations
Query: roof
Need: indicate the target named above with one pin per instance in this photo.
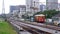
(40, 15)
(22, 6)
(17, 7)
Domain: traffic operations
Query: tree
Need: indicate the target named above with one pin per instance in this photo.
(49, 13)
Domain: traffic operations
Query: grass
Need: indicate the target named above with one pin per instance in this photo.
(5, 28)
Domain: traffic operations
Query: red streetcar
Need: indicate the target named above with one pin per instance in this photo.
(40, 18)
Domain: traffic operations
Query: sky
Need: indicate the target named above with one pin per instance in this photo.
(8, 3)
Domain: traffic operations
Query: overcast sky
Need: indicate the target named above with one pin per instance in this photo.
(8, 3)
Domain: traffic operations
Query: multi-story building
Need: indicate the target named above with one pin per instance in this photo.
(12, 8)
(51, 4)
(15, 12)
(20, 10)
(42, 7)
(59, 6)
(32, 6)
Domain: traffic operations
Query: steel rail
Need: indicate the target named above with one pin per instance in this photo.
(31, 26)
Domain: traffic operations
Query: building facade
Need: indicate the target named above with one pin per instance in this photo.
(22, 10)
(18, 10)
(12, 8)
(42, 7)
(59, 6)
(51, 4)
(32, 6)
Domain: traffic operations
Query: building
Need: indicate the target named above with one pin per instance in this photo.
(59, 6)
(56, 17)
(32, 6)
(42, 7)
(51, 4)
(19, 9)
(22, 10)
(12, 8)
(15, 12)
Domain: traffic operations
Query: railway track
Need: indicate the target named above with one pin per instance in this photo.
(35, 26)
(29, 29)
(44, 25)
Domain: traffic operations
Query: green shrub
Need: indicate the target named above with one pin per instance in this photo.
(48, 13)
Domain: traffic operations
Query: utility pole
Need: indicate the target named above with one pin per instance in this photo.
(34, 6)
